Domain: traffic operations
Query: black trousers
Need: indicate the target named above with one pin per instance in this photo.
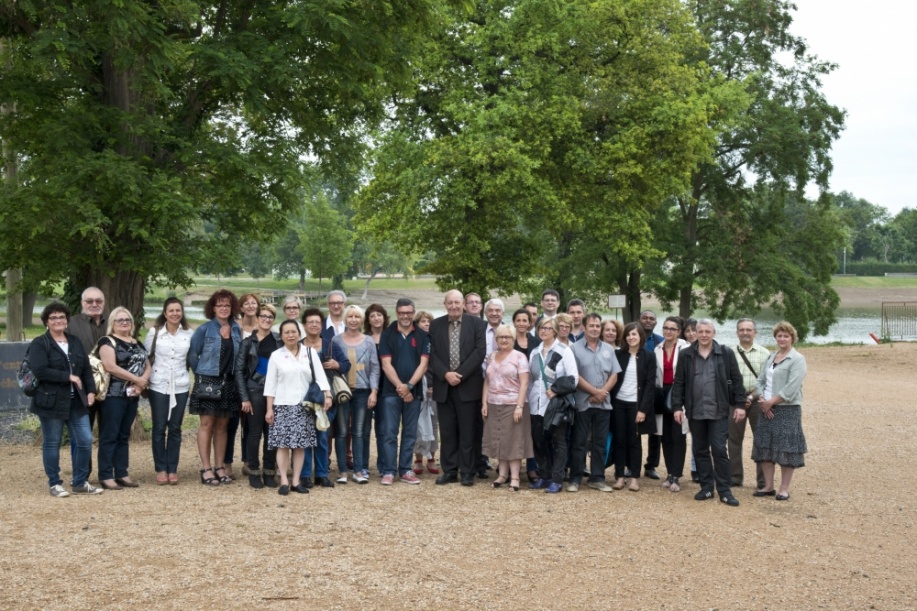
(257, 435)
(595, 421)
(626, 441)
(709, 445)
(653, 445)
(674, 445)
(459, 428)
(551, 465)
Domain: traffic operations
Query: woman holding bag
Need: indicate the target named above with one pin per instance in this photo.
(214, 398)
(290, 371)
(674, 441)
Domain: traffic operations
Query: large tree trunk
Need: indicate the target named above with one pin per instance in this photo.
(14, 329)
(629, 285)
(686, 290)
(28, 306)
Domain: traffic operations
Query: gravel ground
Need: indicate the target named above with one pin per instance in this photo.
(844, 540)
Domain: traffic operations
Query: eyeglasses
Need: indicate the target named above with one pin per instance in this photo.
(291, 308)
(335, 303)
(57, 318)
(91, 301)
(122, 321)
(265, 317)
(405, 313)
(672, 329)
(499, 337)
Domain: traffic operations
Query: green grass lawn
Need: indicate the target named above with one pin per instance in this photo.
(874, 282)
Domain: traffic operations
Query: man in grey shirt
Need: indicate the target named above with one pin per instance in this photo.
(707, 383)
(598, 372)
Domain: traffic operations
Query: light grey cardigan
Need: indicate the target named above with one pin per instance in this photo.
(788, 377)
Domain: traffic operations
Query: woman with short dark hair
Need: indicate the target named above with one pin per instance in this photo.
(214, 397)
(63, 396)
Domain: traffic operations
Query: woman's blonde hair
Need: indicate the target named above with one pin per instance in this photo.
(115, 314)
(785, 327)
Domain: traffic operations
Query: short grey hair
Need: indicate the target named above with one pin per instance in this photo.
(754, 325)
(706, 321)
(291, 299)
(337, 292)
(496, 302)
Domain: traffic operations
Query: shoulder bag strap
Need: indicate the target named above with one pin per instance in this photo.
(747, 362)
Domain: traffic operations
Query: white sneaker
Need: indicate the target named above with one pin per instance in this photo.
(58, 491)
(359, 478)
(86, 488)
(342, 478)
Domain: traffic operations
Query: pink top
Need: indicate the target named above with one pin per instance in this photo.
(503, 378)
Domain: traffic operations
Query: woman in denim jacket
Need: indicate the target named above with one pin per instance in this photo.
(212, 354)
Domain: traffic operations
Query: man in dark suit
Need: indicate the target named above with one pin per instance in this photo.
(458, 348)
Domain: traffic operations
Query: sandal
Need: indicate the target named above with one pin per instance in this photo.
(634, 485)
(209, 481)
(675, 487)
(432, 468)
(224, 479)
(497, 483)
(162, 478)
(173, 479)
(514, 485)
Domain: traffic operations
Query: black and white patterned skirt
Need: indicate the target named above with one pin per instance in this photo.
(293, 427)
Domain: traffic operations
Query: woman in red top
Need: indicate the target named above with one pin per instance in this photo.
(674, 440)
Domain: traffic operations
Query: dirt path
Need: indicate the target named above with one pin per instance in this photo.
(845, 540)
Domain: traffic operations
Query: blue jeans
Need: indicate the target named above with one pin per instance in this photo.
(370, 416)
(320, 452)
(357, 407)
(398, 414)
(52, 431)
(119, 415)
(166, 450)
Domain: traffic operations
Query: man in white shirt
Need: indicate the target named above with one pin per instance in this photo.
(493, 312)
(334, 323)
(751, 357)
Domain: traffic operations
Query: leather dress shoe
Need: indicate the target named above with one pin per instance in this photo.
(446, 478)
(307, 482)
(324, 482)
(300, 488)
(652, 474)
(126, 483)
(468, 480)
(482, 474)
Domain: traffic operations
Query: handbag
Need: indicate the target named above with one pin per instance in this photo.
(314, 401)
(340, 389)
(101, 377)
(207, 391)
(26, 380)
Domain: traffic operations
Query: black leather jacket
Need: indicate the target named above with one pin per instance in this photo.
(730, 389)
(247, 378)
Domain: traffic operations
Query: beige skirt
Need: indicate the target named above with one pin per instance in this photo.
(505, 439)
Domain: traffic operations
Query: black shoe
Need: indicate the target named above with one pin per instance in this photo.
(783, 497)
(482, 474)
(269, 481)
(301, 489)
(307, 482)
(255, 482)
(652, 474)
(764, 493)
(446, 478)
(468, 480)
(324, 482)
(736, 484)
(283, 490)
(703, 495)
(729, 500)
(694, 477)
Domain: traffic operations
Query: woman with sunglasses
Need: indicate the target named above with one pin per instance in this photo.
(125, 359)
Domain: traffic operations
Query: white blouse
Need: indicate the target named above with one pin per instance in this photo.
(170, 363)
(289, 376)
(538, 397)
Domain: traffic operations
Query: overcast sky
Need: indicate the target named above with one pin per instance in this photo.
(875, 48)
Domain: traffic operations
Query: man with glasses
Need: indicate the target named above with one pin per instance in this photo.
(89, 327)
(550, 301)
(404, 352)
(598, 371)
(474, 304)
(334, 323)
(751, 359)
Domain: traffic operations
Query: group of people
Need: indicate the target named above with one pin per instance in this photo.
(545, 391)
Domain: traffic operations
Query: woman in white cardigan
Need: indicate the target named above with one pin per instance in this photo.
(292, 426)
(674, 440)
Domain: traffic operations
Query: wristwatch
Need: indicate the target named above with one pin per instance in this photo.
(410, 386)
